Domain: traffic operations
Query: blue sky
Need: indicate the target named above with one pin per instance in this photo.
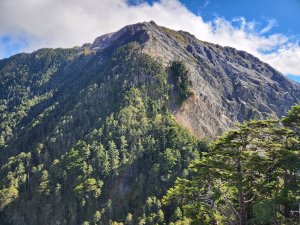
(286, 13)
(11, 45)
(269, 29)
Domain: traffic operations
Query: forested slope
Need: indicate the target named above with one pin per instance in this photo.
(100, 146)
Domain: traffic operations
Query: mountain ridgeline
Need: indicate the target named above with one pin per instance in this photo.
(98, 133)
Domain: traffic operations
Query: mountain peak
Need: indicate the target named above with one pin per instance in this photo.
(105, 40)
(227, 84)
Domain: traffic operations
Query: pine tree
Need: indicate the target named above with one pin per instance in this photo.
(113, 153)
(123, 149)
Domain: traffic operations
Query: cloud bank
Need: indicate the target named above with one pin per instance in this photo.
(68, 23)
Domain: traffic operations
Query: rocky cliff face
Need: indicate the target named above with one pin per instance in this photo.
(228, 85)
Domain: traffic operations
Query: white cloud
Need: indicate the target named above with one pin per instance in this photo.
(286, 59)
(57, 23)
(271, 24)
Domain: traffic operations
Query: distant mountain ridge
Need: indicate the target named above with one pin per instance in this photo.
(294, 78)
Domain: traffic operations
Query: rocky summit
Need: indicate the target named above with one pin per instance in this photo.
(228, 85)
